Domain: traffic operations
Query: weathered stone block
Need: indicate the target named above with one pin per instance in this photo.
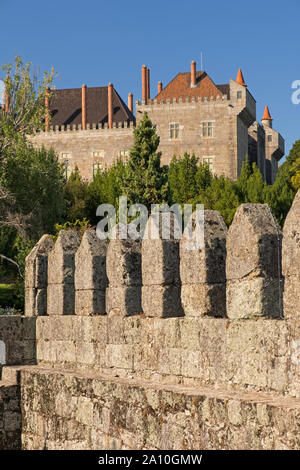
(61, 260)
(90, 275)
(202, 268)
(291, 240)
(90, 263)
(60, 299)
(204, 299)
(123, 263)
(253, 265)
(162, 301)
(35, 302)
(257, 297)
(160, 262)
(123, 300)
(207, 263)
(90, 302)
(291, 299)
(253, 243)
(36, 264)
(36, 277)
(160, 266)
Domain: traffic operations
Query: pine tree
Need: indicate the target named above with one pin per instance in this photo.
(281, 194)
(144, 180)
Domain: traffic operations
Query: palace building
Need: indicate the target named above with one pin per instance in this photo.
(92, 127)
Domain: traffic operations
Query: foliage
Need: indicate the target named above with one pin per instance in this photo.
(144, 180)
(80, 226)
(281, 194)
(25, 112)
(187, 178)
(105, 188)
(11, 295)
(221, 195)
(295, 170)
(250, 185)
(75, 194)
(35, 179)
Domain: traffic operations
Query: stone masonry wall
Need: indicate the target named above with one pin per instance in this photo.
(214, 374)
(84, 411)
(17, 346)
(17, 340)
(78, 146)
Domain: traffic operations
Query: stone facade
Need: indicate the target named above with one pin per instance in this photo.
(227, 379)
(234, 132)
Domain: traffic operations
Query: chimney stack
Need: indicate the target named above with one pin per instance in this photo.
(83, 107)
(110, 105)
(148, 84)
(159, 87)
(47, 92)
(144, 83)
(193, 74)
(130, 102)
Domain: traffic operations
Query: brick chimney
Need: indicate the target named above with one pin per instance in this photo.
(193, 74)
(130, 102)
(47, 92)
(159, 87)
(144, 83)
(83, 107)
(110, 89)
(148, 84)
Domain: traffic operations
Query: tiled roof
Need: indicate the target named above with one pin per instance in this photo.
(65, 106)
(181, 86)
(240, 78)
(267, 115)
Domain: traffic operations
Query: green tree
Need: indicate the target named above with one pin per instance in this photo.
(220, 195)
(144, 180)
(105, 188)
(25, 110)
(187, 178)
(295, 169)
(32, 180)
(76, 195)
(250, 185)
(281, 194)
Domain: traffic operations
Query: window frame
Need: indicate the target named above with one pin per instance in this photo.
(174, 129)
(209, 161)
(96, 167)
(207, 129)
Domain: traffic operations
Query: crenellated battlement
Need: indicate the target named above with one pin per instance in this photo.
(183, 100)
(219, 314)
(93, 126)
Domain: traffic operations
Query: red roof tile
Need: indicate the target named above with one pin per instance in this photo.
(240, 78)
(180, 86)
(267, 114)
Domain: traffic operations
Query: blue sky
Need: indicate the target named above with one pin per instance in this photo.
(98, 42)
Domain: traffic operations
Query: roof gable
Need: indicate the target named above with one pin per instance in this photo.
(180, 86)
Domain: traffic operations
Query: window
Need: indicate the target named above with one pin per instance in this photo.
(65, 159)
(174, 130)
(96, 167)
(99, 153)
(209, 162)
(207, 129)
(239, 95)
(269, 138)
